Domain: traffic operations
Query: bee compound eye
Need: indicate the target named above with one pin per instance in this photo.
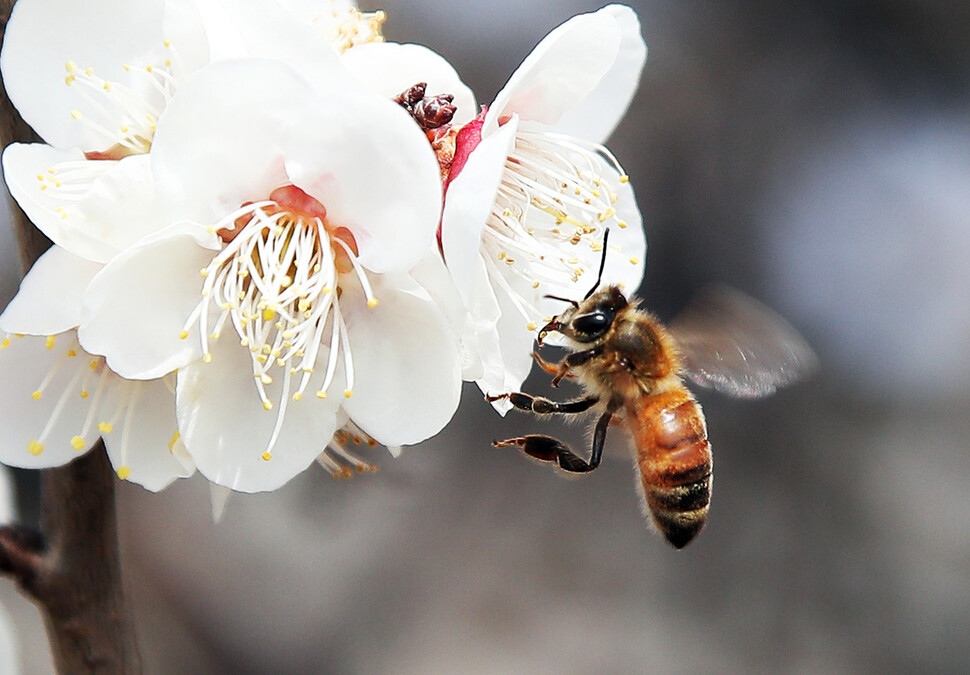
(591, 324)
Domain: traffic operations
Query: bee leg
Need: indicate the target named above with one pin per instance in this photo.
(575, 359)
(549, 449)
(560, 370)
(543, 406)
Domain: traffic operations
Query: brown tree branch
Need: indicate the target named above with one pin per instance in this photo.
(72, 567)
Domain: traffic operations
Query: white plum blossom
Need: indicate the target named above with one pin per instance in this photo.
(58, 399)
(532, 190)
(97, 102)
(281, 289)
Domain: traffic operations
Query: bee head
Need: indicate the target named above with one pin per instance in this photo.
(589, 320)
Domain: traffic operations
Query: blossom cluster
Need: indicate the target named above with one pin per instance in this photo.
(275, 232)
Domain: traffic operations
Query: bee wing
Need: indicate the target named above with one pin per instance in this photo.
(734, 344)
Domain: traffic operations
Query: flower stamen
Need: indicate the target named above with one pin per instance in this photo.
(565, 189)
(276, 281)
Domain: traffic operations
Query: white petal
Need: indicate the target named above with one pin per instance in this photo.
(183, 28)
(368, 163)
(595, 117)
(434, 277)
(135, 309)
(515, 339)
(218, 497)
(231, 119)
(238, 28)
(507, 349)
(43, 35)
(564, 68)
(119, 207)
(407, 377)
(24, 365)
(390, 68)
(143, 443)
(49, 300)
(27, 171)
(226, 429)
(468, 203)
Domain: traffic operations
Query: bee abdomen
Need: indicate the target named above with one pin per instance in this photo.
(675, 465)
(680, 511)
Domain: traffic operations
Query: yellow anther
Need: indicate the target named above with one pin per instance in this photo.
(5, 343)
(297, 396)
(105, 427)
(184, 334)
(372, 303)
(321, 394)
(35, 448)
(78, 443)
(84, 393)
(267, 456)
(535, 284)
(124, 472)
(348, 393)
(624, 178)
(207, 357)
(49, 342)
(76, 114)
(71, 66)
(36, 395)
(622, 224)
(532, 325)
(175, 439)
(267, 405)
(269, 314)
(265, 379)
(71, 354)
(634, 261)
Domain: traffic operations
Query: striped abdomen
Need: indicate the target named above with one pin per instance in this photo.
(674, 458)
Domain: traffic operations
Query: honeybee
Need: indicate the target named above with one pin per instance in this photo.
(631, 368)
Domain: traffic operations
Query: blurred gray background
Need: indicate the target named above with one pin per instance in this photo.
(815, 155)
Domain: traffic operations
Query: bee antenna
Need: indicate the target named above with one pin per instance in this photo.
(569, 300)
(599, 277)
